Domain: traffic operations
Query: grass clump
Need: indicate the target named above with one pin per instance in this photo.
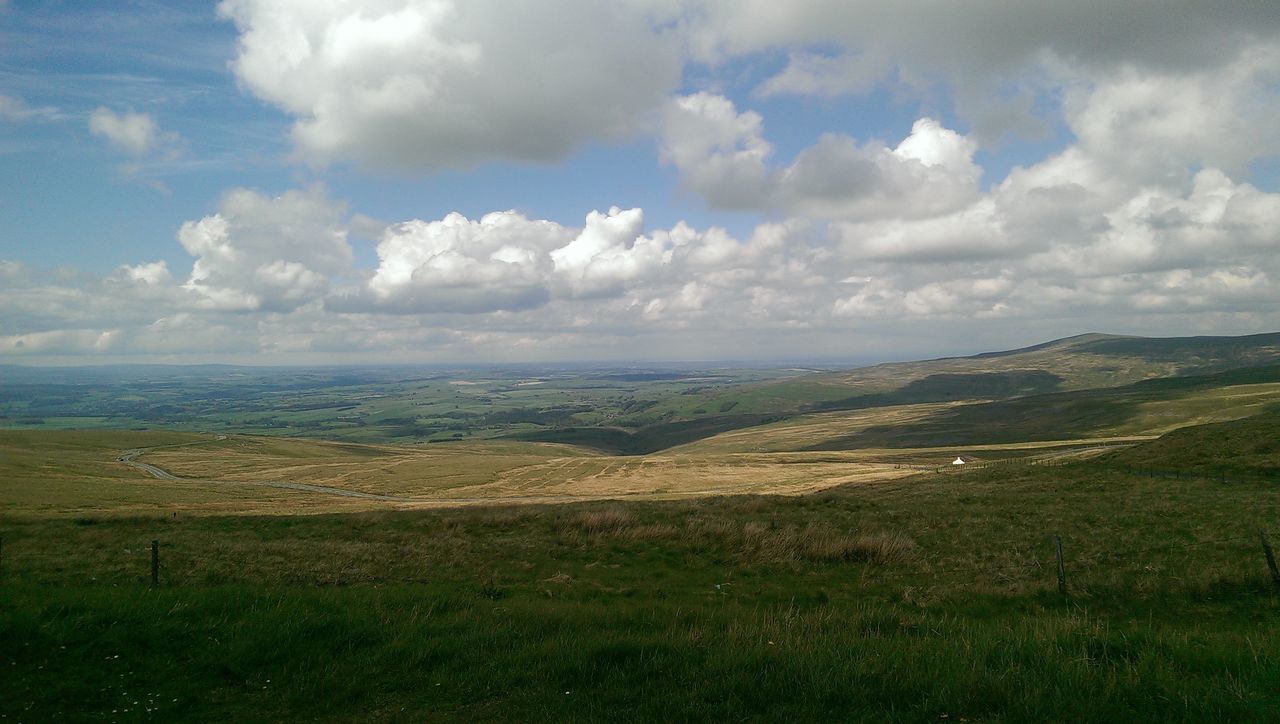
(821, 543)
(881, 548)
(603, 521)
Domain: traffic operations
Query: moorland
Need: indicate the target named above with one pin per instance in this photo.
(638, 544)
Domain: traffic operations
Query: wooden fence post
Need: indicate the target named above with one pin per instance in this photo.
(1062, 570)
(1271, 557)
(155, 562)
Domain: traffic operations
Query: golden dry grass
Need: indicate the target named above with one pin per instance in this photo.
(520, 472)
(67, 472)
(77, 473)
(801, 432)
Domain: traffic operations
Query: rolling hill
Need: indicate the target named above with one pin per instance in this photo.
(1066, 368)
(1248, 445)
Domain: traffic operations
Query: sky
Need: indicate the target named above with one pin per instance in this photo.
(440, 181)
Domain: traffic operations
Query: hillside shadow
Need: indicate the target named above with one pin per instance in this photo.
(1036, 418)
(934, 388)
(950, 387)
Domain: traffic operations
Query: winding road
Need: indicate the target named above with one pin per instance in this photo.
(128, 458)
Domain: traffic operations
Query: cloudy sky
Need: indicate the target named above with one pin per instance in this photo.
(331, 181)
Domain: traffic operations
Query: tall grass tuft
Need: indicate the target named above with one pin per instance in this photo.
(877, 548)
(607, 520)
(822, 544)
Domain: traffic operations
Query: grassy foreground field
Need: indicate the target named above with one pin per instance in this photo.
(926, 598)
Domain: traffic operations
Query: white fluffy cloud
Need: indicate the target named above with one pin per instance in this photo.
(609, 254)
(505, 261)
(1148, 216)
(455, 264)
(424, 84)
(266, 253)
(722, 155)
(1208, 248)
(1216, 222)
(273, 276)
(1154, 126)
(1068, 243)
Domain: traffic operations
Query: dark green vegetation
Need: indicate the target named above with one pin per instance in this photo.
(1249, 446)
(647, 439)
(1045, 417)
(378, 404)
(1207, 354)
(907, 601)
(1077, 363)
(944, 387)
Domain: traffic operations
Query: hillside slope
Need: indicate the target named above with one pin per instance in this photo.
(1149, 407)
(1251, 444)
(1074, 364)
(1088, 361)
